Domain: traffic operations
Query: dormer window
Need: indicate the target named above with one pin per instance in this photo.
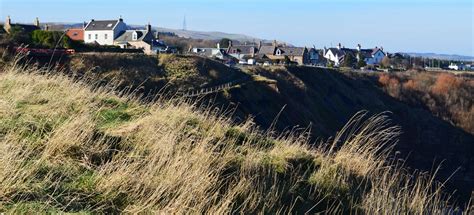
(278, 52)
(134, 36)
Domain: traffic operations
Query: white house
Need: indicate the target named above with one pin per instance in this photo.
(336, 55)
(219, 53)
(371, 56)
(456, 66)
(104, 32)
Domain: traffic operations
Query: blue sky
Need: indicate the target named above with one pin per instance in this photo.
(441, 26)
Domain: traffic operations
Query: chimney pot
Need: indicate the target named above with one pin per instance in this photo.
(37, 23)
(148, 27)
(8, 21)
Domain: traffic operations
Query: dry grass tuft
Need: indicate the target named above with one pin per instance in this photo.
(66, 147)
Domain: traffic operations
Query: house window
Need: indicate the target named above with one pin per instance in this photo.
(96, 36)
(134, 37)
(105, 36)
(90, 36)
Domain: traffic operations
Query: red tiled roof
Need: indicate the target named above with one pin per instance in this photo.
(76, 34)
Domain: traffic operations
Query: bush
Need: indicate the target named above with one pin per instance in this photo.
(50, 39)
(445, 95)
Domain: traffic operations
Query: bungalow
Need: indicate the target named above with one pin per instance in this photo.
(280, 53)
(244, 53)
(104, 32)
(456, 66)
(160, 47)
(136, 39)
(76, 34)
(217, 53)
(8, 26)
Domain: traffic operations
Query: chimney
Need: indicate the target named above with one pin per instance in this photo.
(339, 46)
(218, 46)
(37, 22)
(274, 43)
(157, 35)
(259, 44)
(8, 24)
(381, 48)
(120, 18)
(230, 43)
(148, 27)
(359, 47)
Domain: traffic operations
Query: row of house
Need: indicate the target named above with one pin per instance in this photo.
(261, 53)
(106, 33)
(117, 33)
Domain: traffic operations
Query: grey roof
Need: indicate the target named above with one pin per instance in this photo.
(246, 50)
(267, 50)
(343, 51)
(157, 43)
(292, 51)
(142, 35)
(26, 28)
(101, 25)
(368, 53)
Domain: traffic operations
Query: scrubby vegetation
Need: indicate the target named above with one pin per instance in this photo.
(446, 95)
(68, 147)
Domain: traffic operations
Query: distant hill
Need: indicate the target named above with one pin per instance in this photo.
(442, 56)
(209, 35)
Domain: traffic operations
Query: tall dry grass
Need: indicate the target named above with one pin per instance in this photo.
(69, 147)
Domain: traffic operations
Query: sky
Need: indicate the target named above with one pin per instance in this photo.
(438, 26)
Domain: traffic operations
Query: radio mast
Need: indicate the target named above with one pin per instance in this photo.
(185, 28)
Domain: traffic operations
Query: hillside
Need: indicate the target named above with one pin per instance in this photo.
(325, 100)
(293, 98)
(68, 147)
(300, 96)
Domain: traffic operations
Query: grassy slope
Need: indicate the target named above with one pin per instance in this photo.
(321, 98)
(67, 147)
(326, 99)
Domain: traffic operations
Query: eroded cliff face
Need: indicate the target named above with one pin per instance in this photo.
(324, 100)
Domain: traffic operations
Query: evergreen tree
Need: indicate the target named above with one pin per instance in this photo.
(349, 61)
(225, 42)
(361, 63)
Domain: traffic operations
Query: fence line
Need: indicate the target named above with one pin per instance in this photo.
(212, 90)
